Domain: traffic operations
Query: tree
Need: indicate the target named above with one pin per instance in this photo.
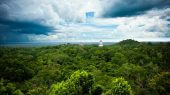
(119, 87)
(119, 59)
(160, 83)
(7, 88)
(18, 92)
(133, 73)
(97, 90)
(79, 83)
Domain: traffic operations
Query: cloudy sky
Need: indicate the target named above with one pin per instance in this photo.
(66, 21)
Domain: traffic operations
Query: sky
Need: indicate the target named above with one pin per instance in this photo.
(68, 20)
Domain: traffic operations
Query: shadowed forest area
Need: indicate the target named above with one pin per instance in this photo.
(125, 68)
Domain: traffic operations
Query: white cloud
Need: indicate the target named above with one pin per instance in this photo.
(149, 26)
(52, 12)
(56, 13)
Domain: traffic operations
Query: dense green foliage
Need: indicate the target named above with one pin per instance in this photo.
(126, 68)
(119, 87)
(80, 83)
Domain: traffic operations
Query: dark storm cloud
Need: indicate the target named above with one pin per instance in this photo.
(8, 37)
(168, 19)
(3, 10)
(23, 27)
(16, 31)
(122, 8)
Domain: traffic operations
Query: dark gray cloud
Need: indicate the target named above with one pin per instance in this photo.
(16, 31)
(122, 8)
(9, 24)
(11, 37)
(3, 10)
(168, 19)
(23, 27)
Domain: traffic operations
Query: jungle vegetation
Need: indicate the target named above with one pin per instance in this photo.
(125, 68)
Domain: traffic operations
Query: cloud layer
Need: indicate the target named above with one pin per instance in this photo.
(50, 12)
(150, 26)
(64, 20)
(120, 8)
